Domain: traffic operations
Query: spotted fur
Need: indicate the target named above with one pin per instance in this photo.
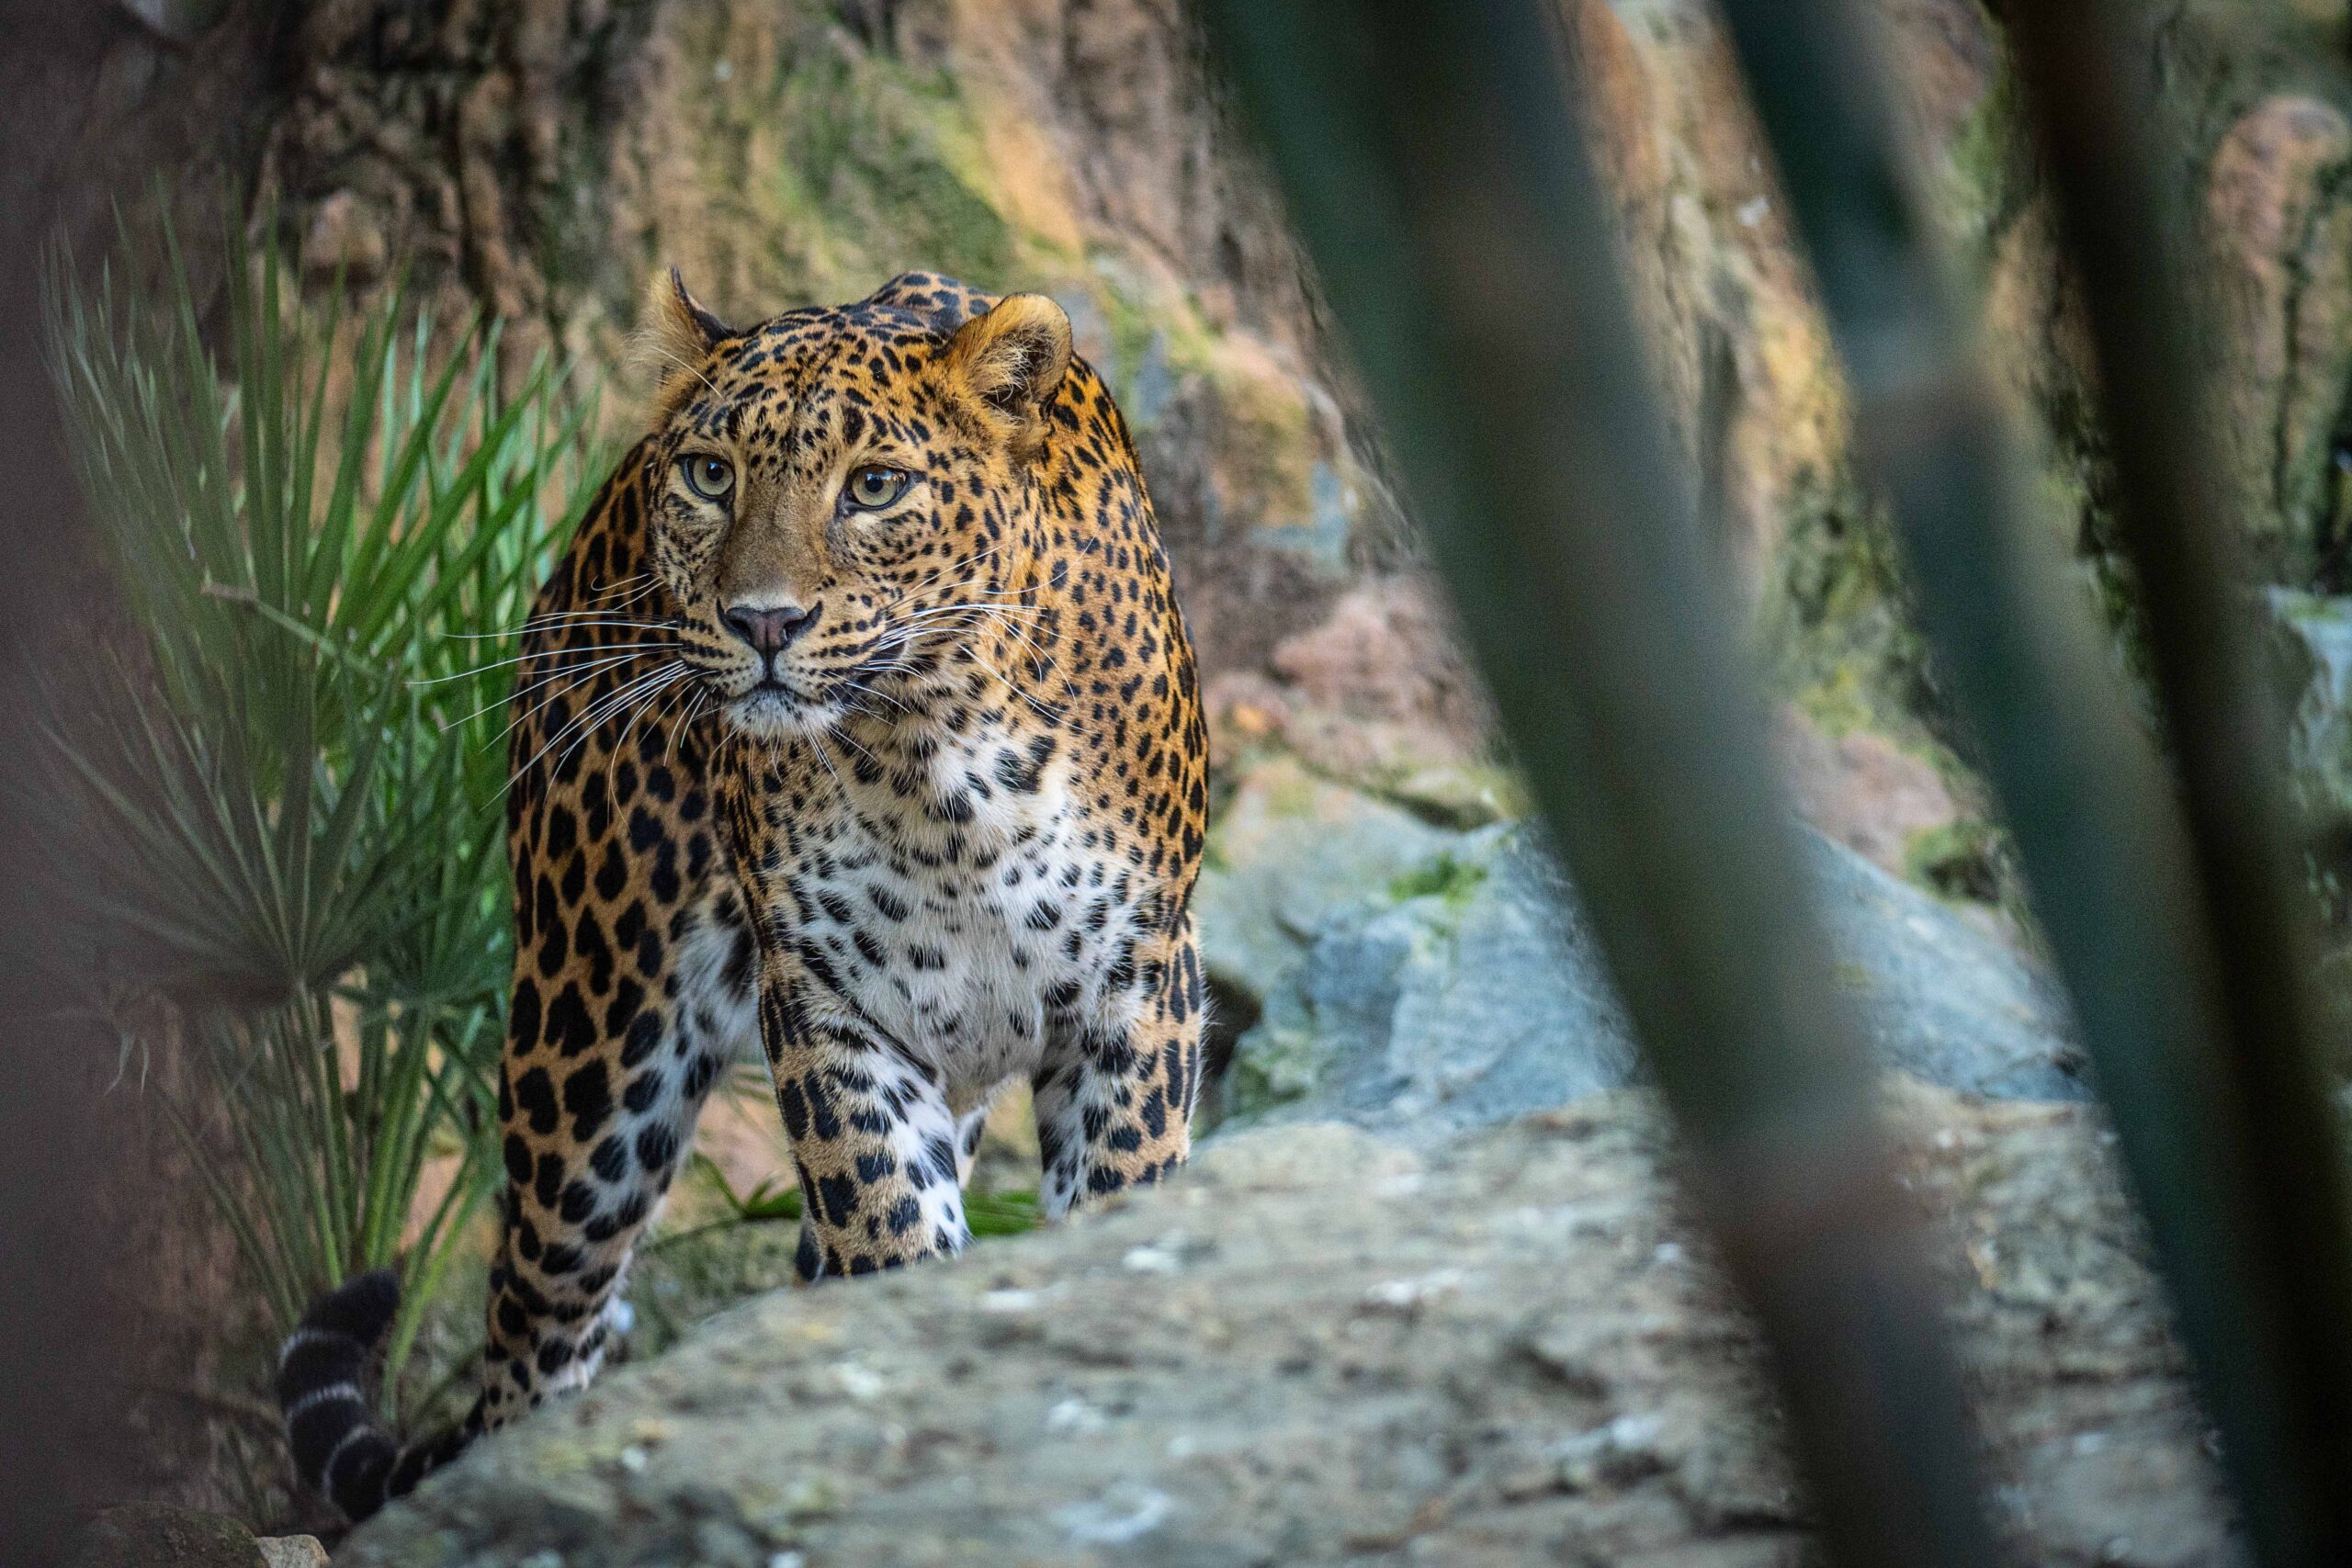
(916, 791)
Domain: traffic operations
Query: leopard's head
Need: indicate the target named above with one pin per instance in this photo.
(842, 496)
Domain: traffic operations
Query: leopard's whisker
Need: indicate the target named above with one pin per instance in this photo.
(906, 631)
(587, 714)
(694, 711)
(566, 622)
(916, 617)
(864, 687)
(816, 744)
(665, 353)
(579, 620)
(642, 708)
(1052, 661)
(589, 718)
(674, 704)
(598, 713)
(593, 610)
(582, 672)
(1015, 597)
(595, 651)
(645, 580)
(1053, 668)
(850, 741)
(951, 566)
(580, 678)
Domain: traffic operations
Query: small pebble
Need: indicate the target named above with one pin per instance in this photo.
(1075, 1416)
(1413, 1291)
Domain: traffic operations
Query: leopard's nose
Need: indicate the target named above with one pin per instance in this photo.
(768, 628)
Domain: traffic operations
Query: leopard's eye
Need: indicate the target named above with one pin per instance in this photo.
(874, 487)
(713, 479)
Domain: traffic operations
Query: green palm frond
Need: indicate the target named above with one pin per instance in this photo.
(324, 527)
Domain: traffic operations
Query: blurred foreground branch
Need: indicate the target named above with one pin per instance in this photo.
(1435, 172)
(2176, 931)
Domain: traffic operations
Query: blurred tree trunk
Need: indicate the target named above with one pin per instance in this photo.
(92, 1216)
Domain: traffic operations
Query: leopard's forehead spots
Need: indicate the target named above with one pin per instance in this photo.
(795, 386)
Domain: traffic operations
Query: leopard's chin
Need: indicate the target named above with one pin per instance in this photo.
(772, 712)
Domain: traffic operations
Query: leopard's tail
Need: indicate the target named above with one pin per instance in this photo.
(340, 1449)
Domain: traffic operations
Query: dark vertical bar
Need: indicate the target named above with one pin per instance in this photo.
(2173, 934)
(1436, 174)
(2085, 69)
(72, 1336)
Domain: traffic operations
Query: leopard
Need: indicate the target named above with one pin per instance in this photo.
(859, 717)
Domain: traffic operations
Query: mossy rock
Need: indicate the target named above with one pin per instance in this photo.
(838, 166)
(161, 1535)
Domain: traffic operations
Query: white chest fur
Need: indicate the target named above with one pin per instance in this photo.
(976, 925)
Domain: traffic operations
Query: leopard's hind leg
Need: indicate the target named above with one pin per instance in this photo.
(597, 1127)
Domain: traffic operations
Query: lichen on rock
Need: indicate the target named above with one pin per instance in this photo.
(1317, 1345)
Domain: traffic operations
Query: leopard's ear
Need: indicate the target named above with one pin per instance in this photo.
(1008, 364)
(678, 334)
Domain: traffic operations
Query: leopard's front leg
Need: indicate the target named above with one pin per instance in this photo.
(1115, 1103)
(877, 1149)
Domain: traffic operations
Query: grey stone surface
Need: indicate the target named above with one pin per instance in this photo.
(1459, 993)
(1419, 980)
(1319, 1347)
(1941, 998)
(1288, 849)
(2317, 632)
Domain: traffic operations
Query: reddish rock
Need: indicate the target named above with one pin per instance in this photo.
(2279, 229)
(1861, 789)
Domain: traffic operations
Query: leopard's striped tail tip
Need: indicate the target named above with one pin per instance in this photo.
(341, 1450)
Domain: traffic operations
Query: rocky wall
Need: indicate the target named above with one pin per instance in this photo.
(544, 157)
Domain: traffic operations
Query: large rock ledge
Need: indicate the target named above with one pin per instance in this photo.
(1319, 1347)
